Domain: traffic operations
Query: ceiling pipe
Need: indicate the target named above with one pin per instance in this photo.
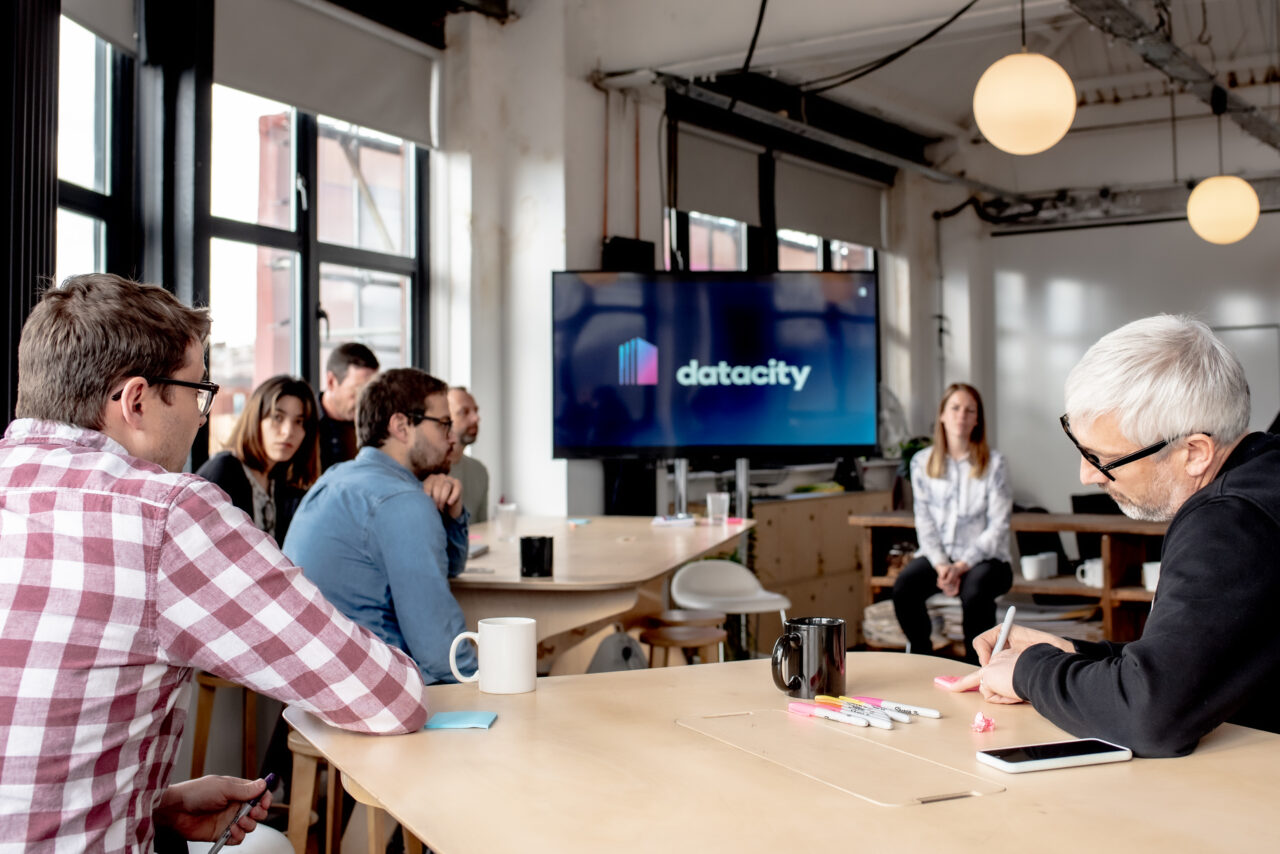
(1116, 18)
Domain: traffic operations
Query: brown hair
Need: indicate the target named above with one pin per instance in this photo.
(979, 450)
(246, 437)
(90, 334)
(352, 354)
(398, 390)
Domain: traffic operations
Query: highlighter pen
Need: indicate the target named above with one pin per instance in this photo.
(847, 705)
(875, 717)
(810, 710)
(1004, 631)
(904, 708)
(893, 714)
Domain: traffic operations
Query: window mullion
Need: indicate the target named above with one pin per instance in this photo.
(308, 304)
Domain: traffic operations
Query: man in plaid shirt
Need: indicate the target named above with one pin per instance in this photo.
(119, 574)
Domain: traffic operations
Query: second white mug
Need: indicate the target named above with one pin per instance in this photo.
(508, 655)
(1089, 573)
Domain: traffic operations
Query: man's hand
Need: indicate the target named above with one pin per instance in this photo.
(199, 810)
(446, 492)
(995, 679)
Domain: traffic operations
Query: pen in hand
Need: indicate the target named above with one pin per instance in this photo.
(241, 813)
(1004, 631)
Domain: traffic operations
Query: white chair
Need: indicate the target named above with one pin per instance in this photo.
(722, 585)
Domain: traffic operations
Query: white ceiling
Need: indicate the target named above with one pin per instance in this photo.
(930, 88)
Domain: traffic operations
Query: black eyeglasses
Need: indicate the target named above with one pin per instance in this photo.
(1106, 468)
(418, 417)
(205, 390)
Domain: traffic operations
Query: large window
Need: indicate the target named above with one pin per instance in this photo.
(314, 241)
(799, 251)
(85, 79)
(716, 243)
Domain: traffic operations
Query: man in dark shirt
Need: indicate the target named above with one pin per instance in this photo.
(349, 368)
(1158, 410)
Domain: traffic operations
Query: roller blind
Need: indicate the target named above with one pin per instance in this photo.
(718, 175)
(327, 61)
(112, 20)
(829, 203)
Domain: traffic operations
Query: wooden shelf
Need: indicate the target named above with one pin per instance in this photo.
(1122, 543)
(1132, 594)
(1061, 585)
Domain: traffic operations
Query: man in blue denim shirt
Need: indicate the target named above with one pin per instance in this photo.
(382, 535)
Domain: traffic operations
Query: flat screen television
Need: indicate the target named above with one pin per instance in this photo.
(776, 367)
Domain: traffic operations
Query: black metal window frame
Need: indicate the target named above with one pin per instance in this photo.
(114, 208)
(762, 249)
(312, 252)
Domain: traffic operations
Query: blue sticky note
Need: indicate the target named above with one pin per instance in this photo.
(579, 521)
(461, 720)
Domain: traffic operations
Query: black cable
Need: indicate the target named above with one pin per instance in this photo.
(851, 74)
(751, 51)
(1022, 9)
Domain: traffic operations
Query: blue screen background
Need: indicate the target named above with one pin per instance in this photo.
(826, 321)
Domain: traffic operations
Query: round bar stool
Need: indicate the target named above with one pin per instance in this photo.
(689, 617)
(302, 796)
(207, 686)
(704, 638)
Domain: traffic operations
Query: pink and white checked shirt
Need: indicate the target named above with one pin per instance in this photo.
(117, 578)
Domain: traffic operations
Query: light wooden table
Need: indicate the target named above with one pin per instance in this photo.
(598, 763)
(598, 570)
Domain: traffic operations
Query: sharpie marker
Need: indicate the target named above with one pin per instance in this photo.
(891, 706)
(849, 704)
(900, 717)
(810, 710)
(875, 717)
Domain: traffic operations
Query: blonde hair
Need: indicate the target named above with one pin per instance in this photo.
(979, 450)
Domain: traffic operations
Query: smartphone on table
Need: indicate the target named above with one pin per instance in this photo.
(1054, 754)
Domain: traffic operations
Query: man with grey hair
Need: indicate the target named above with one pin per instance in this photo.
(1158, 410)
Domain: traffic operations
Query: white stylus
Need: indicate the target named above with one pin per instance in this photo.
(1004, 631)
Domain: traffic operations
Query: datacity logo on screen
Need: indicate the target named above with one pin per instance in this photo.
(776, 372)
(637, 363)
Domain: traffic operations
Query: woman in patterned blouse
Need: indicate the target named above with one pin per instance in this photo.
(960, 488)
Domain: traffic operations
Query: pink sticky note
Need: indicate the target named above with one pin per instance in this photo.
(948, 681)
(982, 723)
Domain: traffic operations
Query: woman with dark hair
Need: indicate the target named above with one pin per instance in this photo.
(962, 500)
(272, 456)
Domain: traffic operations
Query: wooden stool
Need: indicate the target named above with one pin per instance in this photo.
(686, 617)
(207, 686)
(377, 815)
(302, 797)
(685, 637)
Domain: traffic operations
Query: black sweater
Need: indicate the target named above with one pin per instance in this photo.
(226, 470)
(1210, 652)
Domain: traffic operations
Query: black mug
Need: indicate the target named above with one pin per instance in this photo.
(808, 659)
(535, 557)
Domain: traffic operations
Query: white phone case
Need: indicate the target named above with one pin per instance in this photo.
(1056, 754)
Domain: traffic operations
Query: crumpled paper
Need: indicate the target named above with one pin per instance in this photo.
(982, 723)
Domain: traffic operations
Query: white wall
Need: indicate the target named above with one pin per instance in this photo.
(1059, 292)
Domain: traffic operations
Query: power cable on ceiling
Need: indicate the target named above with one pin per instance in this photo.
(840, 78)
(746, 63)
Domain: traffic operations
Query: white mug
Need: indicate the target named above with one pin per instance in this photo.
(508, 653)
(1151, 575)
(1089, 573)
(1037, 567)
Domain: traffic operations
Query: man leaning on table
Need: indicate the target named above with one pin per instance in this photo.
(119, 574)
(1158, 410)
(383, 534)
